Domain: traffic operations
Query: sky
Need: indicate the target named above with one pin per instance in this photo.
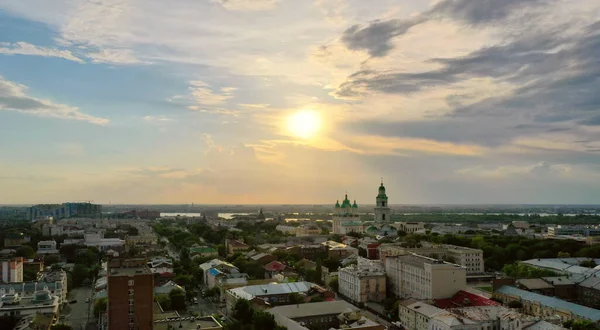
(300, 101)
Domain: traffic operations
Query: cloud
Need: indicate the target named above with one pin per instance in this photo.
(247, 5)
(541, 168)
(23, 48)
(202, 93)
(115, 56)
(157, 119)
(376, 37)
(403, 146)
(255, 106)
(13, 97)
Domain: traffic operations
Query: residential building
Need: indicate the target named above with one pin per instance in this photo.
(471, 259)
(234, 246)
(332, 315)
(546, 307)
(11, 270)
(162, 269)
(28, 289)
(51, 230)
(103, 244)
(308, 230)
(222, 272)
(41, 302)
(215, 263)
(15, 239)
(47, 247)
(536, 285)
(307, 251)
(564, 287)
(410, 227)
(575, 230)
(420, 277)
(270, 294)
(338, 251)
(418, 315)
(262, 258)
(130, 294)
(364, 281)
(65, 210)
(588, 292)
(35, 265)
(273, 268)
(464, 299)
(186, 323)
(566, 266)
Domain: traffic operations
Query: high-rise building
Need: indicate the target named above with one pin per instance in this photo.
(130, 294)
(11, 270)
(382, 209)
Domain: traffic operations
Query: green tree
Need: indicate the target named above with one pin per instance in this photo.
(100, 306)
(49, 260)
(334, 284)
(242, 311)
(563, 255)
(319, 271)
(79, 274)
(25, 251)
(29, 274)
(588, 263)
(296, 298)
(177, 298)
(262, 320)
(164, 301)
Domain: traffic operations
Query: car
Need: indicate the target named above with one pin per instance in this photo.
(87, 300)
(74, 301)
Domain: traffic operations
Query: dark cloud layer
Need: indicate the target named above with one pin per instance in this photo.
(376, 37)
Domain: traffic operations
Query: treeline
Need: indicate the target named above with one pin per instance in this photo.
(502, 250)
(496, 218)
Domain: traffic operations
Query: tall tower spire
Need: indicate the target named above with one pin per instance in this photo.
(382, 210)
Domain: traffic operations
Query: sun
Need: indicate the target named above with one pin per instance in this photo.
(304, 123)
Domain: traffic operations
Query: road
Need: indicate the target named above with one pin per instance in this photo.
(78, 317)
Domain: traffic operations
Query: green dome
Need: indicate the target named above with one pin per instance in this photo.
(337, 204)
(355, 205)
(381, 188)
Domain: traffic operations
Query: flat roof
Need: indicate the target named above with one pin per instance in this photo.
(313, 309)
(129, 271)
(535, 283)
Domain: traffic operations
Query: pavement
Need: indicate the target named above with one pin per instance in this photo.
(77, 318)
(204, 307)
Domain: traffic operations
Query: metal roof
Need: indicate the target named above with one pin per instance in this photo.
(251, 291)
(582, 311)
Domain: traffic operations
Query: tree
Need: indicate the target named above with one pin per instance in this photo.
(26, 252)
(163, 301)
(262, 320)
(51, 259)
(79, 274)
(100, 306)
(296, 298)
(588, 263)
(177, 298)
(401, 233)
(242, 311)
(515, 304)
(334, 284)
(319, 271)
(29, 274)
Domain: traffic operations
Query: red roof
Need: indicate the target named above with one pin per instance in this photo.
(464, 299)
(274, 266)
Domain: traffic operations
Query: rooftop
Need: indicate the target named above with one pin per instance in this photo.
(130, 271)
(187, 323)
(464, 299)
(312, 309)
(581, 311)
(251, 291)
(534, 283)
(424, 309)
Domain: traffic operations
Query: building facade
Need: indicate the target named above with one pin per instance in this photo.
(471, 259)
(410, 227)
(11, 270)
(420, 277)
(382, 209)
(365, 281)
(130, 294)
(346, 218)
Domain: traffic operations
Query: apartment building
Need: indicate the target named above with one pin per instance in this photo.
(365, 281)
(338, 251)
(308, 230)
(420, 277)
(11, 270)
(471, 259)
(130, 294)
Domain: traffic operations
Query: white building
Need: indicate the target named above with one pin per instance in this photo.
(417, 315)
(46, 247)
(346, 218)
(420, 277)
(291, 230)
(103, 244)
(410, 227)
(470, 258)
(382, 209)
(364, 281)
(42, 302)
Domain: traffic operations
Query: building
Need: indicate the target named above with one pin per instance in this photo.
(273, 268)
(47, 247)
(564, 287)
(269, 294)
(215, 263)
(364, 281)
(575, 230)
(14, 240)
(130, 294)
(338, 251)
(41, 302)
(103, 244)
(235, 246)
(588, 292)
(420, 277)
(290, 230)
(546, 307)
(308, 251)
(56, 288)
(418, 315)
(11, 270)
(260, 258)
(346, 218)
(308, 230)
(172, 321)
(410, 227)
(471, 259)
(536, 285)
(464, 299)
(65, 210)
(51, 230)
(382, 209)
(322, 315)
(566, 266)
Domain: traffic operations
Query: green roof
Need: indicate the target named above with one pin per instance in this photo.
(355, 205)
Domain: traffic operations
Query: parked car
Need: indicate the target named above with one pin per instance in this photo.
(73, 301)
(87, 300)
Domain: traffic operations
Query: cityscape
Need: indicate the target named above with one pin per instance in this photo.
(299, 165)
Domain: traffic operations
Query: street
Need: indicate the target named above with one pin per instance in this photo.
(204, 306)
(78, 316)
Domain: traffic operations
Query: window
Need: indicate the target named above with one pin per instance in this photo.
(130, 283)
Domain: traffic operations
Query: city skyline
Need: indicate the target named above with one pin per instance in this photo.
(296, 102)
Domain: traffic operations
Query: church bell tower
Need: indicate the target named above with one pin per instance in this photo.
(382, 210)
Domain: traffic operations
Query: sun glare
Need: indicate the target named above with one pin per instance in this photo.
(304, 123)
